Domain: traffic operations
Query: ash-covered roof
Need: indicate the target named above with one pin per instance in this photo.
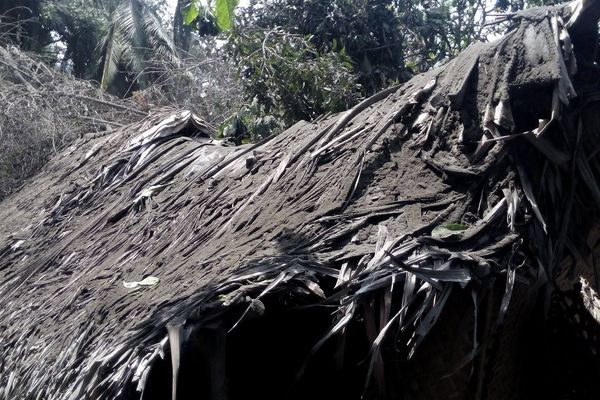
(440, 184)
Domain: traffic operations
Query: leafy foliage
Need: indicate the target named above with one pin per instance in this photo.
(386, 41)
(288, 76)
(299, 58)
(364, 31)
(79, 28)
(250, 124)
(224, 12)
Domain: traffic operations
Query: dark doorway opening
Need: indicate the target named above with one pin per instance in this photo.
(267, 357)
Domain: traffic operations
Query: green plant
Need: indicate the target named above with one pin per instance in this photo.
(222, 10)
(289, 77)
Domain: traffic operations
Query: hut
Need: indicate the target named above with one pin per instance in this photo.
(438, 240)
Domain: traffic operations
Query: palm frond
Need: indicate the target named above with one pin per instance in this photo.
(111, 53)
(129, 20)
(159, 37)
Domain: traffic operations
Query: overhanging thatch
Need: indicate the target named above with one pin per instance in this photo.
(474, 176)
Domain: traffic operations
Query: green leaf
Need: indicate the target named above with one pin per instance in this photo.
(224, 12)
(445, 231)
(191, 12)
(455, 227)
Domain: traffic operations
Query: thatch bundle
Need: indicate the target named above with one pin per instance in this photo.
(402, 248)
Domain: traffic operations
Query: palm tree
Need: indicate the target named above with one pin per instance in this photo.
(133, 36)
(129, 32)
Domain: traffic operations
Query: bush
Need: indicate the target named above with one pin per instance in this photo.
(286, 75)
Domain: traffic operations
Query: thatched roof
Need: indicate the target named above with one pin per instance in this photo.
(467, 178)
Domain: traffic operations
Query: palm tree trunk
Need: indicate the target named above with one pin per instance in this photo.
(182, 33)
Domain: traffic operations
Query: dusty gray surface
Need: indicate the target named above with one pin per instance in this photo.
(215, 223)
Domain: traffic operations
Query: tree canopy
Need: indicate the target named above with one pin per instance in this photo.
(345, 48)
